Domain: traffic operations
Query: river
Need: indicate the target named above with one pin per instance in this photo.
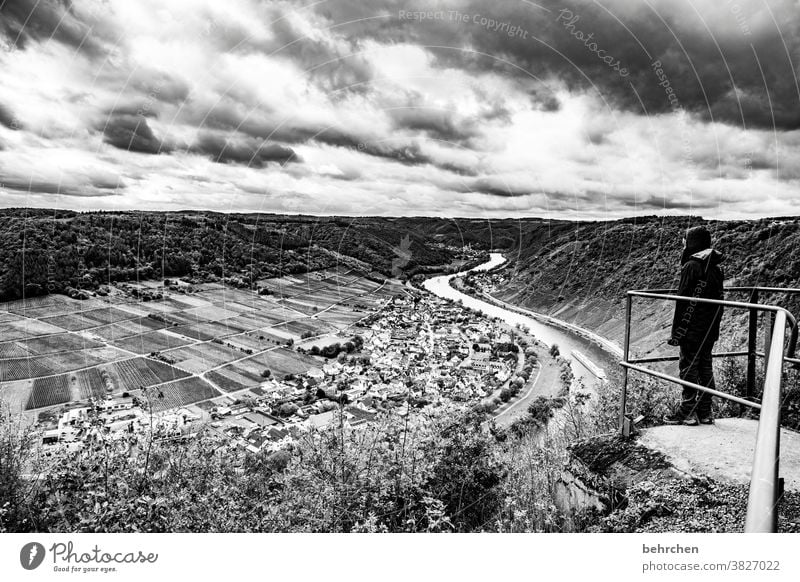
(605, 358)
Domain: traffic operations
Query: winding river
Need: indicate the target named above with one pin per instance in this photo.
(600, 353)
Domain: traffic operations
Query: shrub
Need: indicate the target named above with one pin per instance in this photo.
(287, 409)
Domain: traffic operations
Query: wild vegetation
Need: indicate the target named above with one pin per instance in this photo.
(441, 472)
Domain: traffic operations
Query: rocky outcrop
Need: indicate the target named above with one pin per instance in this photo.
(613, 484)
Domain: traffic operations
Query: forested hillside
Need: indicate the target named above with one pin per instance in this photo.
(54, 250)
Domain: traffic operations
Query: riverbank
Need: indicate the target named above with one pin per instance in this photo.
(612, 347)
(546, 330)
(496, 261)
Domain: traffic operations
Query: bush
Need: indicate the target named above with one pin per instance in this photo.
(541, 410)
(18, 455)
(287, 409)
(452, 473)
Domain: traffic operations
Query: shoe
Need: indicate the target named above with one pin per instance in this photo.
(707, 419)
(674, 419)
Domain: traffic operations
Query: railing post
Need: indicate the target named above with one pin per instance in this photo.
(762, 501)
(625, 353)
(752, 348)
(769, 325)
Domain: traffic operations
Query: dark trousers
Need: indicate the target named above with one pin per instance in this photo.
(695, 367)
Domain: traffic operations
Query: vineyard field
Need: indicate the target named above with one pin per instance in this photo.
(180, 393)
(49, 392)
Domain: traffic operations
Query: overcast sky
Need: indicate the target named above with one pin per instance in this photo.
(575, 109)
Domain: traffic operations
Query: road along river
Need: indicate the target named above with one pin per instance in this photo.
(591, 356)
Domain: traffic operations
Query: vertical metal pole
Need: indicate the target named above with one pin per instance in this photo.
(625, 353)
(752, 347)
(769, 324)
(762, 501)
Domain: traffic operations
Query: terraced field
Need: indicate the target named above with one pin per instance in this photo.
(62, 342)
(135, 373)
(90, 383)
(202, 357)
(230, 381)
(49, 391)
(55, 350)
(258, 340)
(279, 362)
(178, 393)
(16, 327)
(152, 341)
(139, 325)
(13, 350)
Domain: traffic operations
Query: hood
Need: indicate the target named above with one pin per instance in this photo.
(709, 257)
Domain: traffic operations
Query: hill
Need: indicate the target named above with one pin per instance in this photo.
(56, 250)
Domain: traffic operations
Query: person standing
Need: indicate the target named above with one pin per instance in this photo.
(695, 325)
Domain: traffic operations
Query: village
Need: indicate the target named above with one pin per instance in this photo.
(416, 351)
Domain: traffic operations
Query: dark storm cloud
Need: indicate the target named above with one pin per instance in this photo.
(7, 118)
(494, 186)
(562, 40)
(245, 151)
(232, 117)
(437, 123)
(400, 150)
(23, 21)
(335, 67)
(138, 107)
(669, 203)
(132, 133)
(95, 186)
(157, 85)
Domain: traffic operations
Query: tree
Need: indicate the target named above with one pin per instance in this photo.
(288, 409)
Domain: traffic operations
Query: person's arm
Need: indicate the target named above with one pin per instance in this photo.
(690, 276)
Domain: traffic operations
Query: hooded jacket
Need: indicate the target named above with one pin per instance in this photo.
(701, 277)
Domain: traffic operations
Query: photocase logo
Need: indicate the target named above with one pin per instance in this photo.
(31, 555)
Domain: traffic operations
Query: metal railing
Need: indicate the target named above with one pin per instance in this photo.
(765, 484)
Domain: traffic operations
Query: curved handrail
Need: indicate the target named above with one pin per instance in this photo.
(764, 494)
(734, 289)
(762, 501)
(724, 302)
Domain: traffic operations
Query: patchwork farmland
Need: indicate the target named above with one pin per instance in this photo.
(193, 344)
